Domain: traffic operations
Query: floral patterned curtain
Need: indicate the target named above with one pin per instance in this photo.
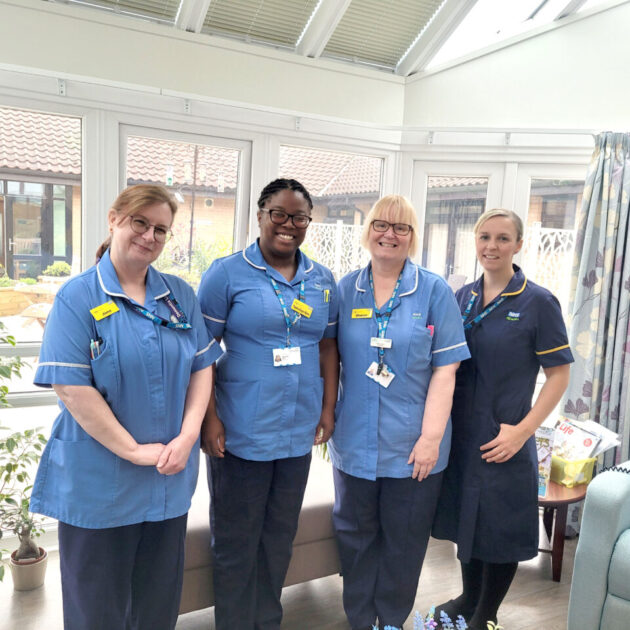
(600, 322)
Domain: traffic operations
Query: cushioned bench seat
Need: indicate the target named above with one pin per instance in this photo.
(314, 549)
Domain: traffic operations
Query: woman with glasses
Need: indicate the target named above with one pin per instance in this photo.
(400, 341)
(126, 350)
(276, 387)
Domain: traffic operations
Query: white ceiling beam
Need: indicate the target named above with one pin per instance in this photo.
(570, 7)
(191, 15)
(320, 27)
(439, 29)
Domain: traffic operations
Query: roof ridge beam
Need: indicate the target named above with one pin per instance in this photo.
(191, 15)
(320, 27)
(428, 43)
(569, 8)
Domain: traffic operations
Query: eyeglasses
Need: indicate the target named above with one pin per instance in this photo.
(280, 217)
(141, 226)
(402, 229)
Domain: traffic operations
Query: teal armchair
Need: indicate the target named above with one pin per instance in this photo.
(600, 589)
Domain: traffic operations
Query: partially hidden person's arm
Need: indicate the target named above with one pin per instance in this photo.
(212, 429)
(329, 370)
(175, 454)
(89, 409)
(511, 438)
(437, 410)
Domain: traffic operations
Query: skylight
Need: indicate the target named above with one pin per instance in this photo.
(492, 21)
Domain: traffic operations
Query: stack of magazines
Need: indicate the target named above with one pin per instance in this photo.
(575, 440)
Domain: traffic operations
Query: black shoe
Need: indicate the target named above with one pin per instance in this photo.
(453, 610)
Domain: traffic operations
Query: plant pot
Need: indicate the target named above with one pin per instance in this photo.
(29, 574)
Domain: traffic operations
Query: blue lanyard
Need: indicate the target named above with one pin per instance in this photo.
(383, 320)
(481, 315)
(173, 305)
(287, 319)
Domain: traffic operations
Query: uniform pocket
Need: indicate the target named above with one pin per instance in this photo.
(105, 373)
(238, 406)
(82, 476)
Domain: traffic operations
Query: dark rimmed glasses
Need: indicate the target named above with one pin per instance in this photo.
(141, 226)
(280, 217)
(401, 229)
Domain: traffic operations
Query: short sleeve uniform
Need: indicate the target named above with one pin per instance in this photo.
(376, 427)
(488, 509)
(268, 412)
(142, 371)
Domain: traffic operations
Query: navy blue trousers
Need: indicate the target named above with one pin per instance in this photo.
(382, 530)
(123, 578)
(254, 516)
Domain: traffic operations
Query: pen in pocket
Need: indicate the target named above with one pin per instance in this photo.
(95, 347)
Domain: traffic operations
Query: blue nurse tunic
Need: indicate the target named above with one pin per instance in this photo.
(376, 427)
(268, 412)
(489, 509)
(143, 371)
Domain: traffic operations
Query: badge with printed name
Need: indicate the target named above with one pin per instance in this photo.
(361, 313)
(104, 310)
(378, 342)
(302, 308)
(287, 356)
(384, 378)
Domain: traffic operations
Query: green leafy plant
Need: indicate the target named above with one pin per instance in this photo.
(58, 269)
(19, 453)
(5, 281)
(28, 281)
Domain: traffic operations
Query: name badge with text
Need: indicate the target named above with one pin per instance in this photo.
(302, 308)
(361, 313)
(378, 342)
(104, 310)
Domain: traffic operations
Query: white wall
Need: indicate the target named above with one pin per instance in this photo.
(78, 42)
(574, 77)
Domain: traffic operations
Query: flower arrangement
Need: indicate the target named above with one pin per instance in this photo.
(429, 622)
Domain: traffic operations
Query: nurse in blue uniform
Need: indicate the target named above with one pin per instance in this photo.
(488, 504)
(276, 387)
(400, 341)
(126, 351)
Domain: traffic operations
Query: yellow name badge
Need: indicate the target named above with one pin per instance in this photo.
(104, 310)
(361, 313)
(302, 308)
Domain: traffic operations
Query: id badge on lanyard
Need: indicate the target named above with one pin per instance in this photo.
(290, 355)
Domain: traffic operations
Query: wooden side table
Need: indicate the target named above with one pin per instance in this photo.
(557, 500)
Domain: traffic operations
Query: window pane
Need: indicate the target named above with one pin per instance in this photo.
(33, 190)
(59, 192)
(453, 206)
(550, 234)
(204, 180)
(34, 225)
(59, 227)
(343, 187)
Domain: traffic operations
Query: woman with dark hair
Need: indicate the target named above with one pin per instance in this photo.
(126, 351)
(489, 499)
(276, 311)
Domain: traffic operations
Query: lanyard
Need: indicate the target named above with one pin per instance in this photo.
(287, 320)
(481, 315)
(383, 320)
(173, 306)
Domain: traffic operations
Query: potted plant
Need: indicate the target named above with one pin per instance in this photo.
(19, 453)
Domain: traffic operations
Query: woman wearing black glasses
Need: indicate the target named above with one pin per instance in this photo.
(127, 352)
(400, 341)
(276, 312)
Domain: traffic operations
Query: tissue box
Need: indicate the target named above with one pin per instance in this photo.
(572, 473)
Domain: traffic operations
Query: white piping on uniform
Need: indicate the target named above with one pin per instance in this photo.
(332, 323)
(100, 279)
(457, 345)
(206, 348)
(356, 284)
(415, 286)
(213, 319)
(159, 297)
(73, 365)
(252, 264)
